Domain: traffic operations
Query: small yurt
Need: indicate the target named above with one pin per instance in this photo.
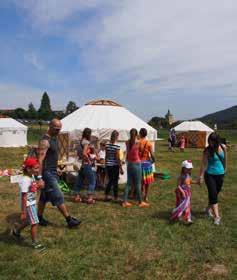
(12, 133)
(195, 132)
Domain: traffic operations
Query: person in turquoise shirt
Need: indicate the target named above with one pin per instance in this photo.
(213, 169)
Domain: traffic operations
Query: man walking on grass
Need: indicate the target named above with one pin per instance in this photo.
(48, 159)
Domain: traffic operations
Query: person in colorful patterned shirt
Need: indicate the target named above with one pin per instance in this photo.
(147, 159)
(182, 211)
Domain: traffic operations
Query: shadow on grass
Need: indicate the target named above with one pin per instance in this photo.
(13, 218)
(7, 238)
(162, 215)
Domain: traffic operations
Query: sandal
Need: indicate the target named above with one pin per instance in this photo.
(77, 198)
(90, 201)
(126, 204)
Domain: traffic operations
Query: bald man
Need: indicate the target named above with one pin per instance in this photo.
(48, 159)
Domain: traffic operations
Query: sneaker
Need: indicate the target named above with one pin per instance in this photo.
(37, 246)
(209, 213)
(189, 222)
(16, 234)
(73, 222)
(143, 204)
(126, 204)
(217, 221)
(43, 222)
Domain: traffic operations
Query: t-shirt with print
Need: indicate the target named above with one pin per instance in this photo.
(146, 149)
(111, 154)
(26, 184)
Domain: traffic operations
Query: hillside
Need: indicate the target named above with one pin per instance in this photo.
(223, 118)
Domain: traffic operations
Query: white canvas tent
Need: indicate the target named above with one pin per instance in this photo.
(103, 116)
(195, 132)
(12, 133)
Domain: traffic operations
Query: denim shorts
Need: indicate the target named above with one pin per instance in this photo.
(51, 192)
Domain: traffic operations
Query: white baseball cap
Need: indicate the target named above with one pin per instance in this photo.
(187, 164)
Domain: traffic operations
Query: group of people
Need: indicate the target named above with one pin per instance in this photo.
(41, 174)
(139, 158)
(172, 141)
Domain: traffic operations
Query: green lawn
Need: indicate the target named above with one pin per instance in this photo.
(117, 243)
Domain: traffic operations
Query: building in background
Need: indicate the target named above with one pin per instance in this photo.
(169, 117)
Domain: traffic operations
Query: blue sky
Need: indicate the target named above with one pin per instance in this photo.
(148, 55)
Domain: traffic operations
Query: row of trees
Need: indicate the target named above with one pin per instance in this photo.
(44, 112)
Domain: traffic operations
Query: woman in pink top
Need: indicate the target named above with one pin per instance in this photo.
(134, 171)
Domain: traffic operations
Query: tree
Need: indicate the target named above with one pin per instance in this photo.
(71, 107)
(158, 122)
(19, 113)
(32, 113)
(45, 112)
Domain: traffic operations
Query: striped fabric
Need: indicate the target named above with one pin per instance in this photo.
(111, 152)
(183, 205)
(32, 214)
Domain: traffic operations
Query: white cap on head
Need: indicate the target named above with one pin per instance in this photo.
(187, 164)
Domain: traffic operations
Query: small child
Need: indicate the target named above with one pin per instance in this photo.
(182, 144)
(93, 156)
(183, 194)
(101, 168)
(28, 191)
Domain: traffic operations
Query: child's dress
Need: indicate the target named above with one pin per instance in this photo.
(183, 204)
(182, 143)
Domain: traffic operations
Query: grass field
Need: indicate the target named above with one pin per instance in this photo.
(117, 243)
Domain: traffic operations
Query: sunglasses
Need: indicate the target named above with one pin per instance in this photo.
(56, 128)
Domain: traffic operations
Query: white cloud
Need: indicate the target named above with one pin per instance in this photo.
(179, 44)
(150, 47)
(34, 60)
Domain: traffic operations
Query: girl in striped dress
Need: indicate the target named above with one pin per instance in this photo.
(182, 211)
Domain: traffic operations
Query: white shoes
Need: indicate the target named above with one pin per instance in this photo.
(217, 221)
(209, 213)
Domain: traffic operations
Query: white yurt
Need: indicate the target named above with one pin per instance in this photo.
(195, 132)
(12, 133)
(102, 116)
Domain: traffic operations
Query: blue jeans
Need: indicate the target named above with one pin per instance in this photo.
(134, 173)
(85, 172)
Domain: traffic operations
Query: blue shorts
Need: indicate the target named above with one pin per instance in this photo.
(32, 217)
(51, 192)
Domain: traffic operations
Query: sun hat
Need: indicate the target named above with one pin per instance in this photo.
(187, 164)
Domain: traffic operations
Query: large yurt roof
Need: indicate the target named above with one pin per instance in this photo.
(103, 116)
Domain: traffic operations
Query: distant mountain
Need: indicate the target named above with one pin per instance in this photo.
(224, 119)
